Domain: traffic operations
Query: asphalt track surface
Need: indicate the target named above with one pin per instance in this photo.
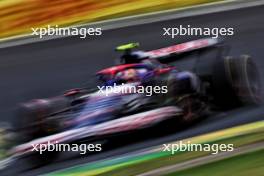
(48, 68)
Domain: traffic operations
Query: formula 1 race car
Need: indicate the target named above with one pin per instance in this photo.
(146, 90)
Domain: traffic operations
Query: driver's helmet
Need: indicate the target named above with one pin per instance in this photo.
(128, 75)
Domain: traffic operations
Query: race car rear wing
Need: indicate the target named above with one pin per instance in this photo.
(182, 48)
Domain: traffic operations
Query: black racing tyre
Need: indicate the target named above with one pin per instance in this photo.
(37, 160)
(235, 82)
(30, 121)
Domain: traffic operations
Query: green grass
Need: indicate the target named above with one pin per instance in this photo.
(179, 157)
(141, 164)
(249, 164)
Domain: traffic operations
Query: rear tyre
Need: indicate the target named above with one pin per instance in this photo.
(235, 82)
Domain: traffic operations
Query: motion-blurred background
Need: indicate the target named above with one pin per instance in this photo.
(17, 17)
(46, 68)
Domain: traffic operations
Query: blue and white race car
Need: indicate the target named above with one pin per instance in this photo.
(145, 91)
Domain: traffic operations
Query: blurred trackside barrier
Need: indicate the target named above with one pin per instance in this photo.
(17, 17)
